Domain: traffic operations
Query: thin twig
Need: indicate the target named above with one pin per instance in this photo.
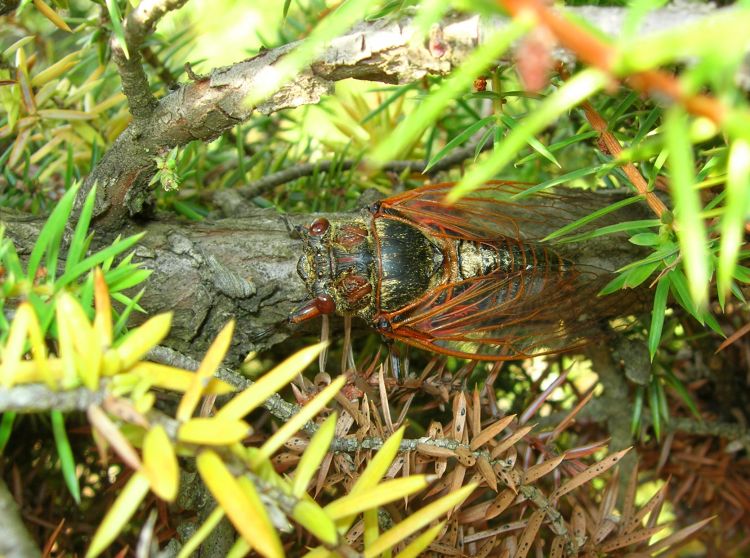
(138, 26)
(36, 398)
(614, 148)
(263, 185)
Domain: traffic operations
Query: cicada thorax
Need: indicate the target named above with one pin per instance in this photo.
(408, 263)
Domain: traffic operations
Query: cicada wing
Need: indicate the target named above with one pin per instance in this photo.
(494, 317)
(488, 212)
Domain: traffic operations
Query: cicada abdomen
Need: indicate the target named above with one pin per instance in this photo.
(462, 279)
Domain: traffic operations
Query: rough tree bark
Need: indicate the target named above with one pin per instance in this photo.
(245, 267)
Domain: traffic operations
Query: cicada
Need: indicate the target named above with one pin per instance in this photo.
(463, 279)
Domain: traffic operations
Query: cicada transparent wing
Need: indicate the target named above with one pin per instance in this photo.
(502, 295)
(487, 213)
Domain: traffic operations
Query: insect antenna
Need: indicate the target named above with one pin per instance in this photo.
(262, 334)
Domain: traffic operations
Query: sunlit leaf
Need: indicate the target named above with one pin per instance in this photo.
(420, 543)
(312, 517)
(208, 367)
(213, 431)
(313, 455)
(379, 495)
(241, 504)
(160, 463)
(691, 230)
(56, 70)
(306, 413)
(174, 379)
(118, 516)
(417, 520)
(103, 311)
(254, 396)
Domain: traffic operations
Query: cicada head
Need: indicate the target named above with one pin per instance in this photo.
(336, 268)
(315, 269)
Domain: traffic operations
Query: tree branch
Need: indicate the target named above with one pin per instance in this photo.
(380, 50)
(245, 267)
(139, 24)
(264, 185)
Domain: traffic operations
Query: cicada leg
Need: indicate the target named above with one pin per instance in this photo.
(325, 328)
(318, 306)
(347, 355)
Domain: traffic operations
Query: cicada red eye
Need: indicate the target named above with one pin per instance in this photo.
(319, 227)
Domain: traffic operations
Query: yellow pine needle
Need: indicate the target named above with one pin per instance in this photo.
(142, 339)
(119, 514)
(88, 352)
(208, 367)
(51, 15)
(313, 455)
(175, 379)
(56, 70)
(294, 424)
(417, 520)
(381, 494)
(38, 349)
(65, 114)
(14, 347)
(160, 463)
(194, 542)
(29, 372)
(213, 431)
(144, 402)
(254, 396)
(379, 464)
(241, 504)
(414, 548)
(103, 306)
(108, 103)
(312, 517)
